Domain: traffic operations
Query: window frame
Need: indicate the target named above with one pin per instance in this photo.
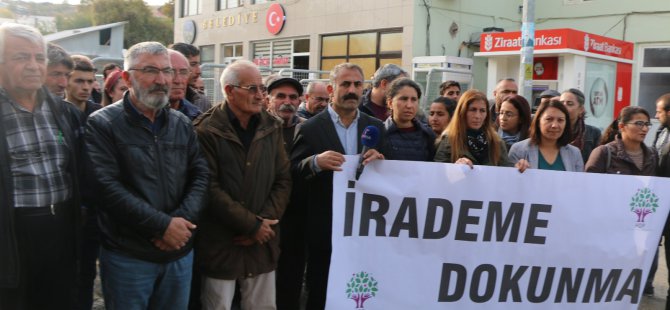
(184, 10)
(640, 69)
(378, 55)
(223, 5)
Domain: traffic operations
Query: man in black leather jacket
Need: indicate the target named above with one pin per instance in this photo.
(152, 179)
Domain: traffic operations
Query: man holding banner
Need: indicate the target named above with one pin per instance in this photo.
(319, 148)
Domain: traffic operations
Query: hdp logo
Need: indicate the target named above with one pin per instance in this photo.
(643, 203)
(361, 287)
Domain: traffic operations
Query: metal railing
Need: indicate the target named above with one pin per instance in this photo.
(429, 80)
(302, 74)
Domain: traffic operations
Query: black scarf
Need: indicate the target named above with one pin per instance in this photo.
(478, 145)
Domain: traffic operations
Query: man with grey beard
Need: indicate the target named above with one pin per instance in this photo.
(283, 102)
(151, 179)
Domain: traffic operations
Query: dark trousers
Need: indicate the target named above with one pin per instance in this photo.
(47, 257)
(89, 252)
(291, 264)
(318, 267)
(652, 271)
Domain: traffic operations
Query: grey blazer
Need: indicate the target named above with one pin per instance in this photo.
(571, 156)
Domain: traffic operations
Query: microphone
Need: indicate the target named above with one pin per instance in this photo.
(369, 138)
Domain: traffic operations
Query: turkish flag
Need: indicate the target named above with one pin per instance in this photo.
(275, 18)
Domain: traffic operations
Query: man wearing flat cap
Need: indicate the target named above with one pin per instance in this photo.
(283, 102)
(546, 96)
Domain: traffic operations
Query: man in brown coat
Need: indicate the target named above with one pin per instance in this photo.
(249, 189)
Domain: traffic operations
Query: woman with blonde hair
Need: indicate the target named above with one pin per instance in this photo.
(470, 137)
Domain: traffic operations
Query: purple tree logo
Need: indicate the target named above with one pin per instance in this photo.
(361, 287)
(643, 203)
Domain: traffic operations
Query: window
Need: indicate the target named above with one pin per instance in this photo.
(228, 4)
(105, 36)
(370, 50)
(209, 74)
(301, 46)
(273, 56)
(654, 76)
(190, 7)
(231, 52)
(207, 54)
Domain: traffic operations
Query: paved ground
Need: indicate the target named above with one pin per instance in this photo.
(657, 302)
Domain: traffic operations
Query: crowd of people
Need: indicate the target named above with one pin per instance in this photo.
(187, 204)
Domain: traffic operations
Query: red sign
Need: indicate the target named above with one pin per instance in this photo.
(545, 68)
(549, 39)
(624, 75)
(275, 18)
(278, 60)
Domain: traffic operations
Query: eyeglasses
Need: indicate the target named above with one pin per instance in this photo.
(153, 71)
(640, 124)
(282, 96)
(253, 89)
(320, 99)
(183, 72)
(507, 114)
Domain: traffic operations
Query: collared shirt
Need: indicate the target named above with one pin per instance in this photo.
(245, 135)
(38, 154)
(348, 135)
(154, 126)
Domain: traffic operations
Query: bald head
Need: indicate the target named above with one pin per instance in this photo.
(182, 72)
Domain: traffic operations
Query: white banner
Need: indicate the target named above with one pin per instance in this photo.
(411, 235)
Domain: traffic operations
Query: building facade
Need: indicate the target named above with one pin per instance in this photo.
(318, 34)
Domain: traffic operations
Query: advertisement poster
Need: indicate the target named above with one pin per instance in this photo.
(599, 93)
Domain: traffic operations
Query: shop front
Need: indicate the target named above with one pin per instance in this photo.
(599, 66)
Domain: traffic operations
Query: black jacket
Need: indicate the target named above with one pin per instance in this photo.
(68, 120)
(144, 179)
(314, 136)
(417, 146)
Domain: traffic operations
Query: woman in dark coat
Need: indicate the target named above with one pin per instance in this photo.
(409, 139)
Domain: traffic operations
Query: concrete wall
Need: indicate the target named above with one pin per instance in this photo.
(471, 17)
(635, 21)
